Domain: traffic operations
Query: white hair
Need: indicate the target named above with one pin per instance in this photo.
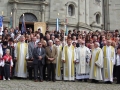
(97, 44)
(50, 41)
(7, 50)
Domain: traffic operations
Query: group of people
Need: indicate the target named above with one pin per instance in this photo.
(80, 55)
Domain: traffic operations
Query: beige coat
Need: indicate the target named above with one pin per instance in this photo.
(52, 54)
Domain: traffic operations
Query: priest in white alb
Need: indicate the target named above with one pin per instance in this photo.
(109, 61)
(58, 61)
(21, 54)
(96, 64)
(68, 58)
(82, 62)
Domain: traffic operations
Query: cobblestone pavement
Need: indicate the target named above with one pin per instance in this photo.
(58, 85)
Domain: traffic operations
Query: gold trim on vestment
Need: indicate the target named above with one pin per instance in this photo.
(18, 57)
(96, 58)
(105, 62)
(59, 63)
(66, 61)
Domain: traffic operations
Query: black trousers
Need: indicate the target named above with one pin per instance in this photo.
(44, 71)
(7, 71)
(38, 68)
(51, 70)
(114, 71)
(30, 69)
(118, 73)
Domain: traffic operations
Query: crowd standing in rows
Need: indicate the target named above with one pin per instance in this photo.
(80, 55)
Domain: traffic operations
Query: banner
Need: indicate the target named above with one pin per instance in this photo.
(1, 22)
(57, 24)
(23, 28)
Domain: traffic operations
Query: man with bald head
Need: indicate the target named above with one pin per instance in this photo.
(109, 61)
(21, 54)
(83, 58)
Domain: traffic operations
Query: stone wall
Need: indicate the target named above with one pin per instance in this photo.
(84, 16)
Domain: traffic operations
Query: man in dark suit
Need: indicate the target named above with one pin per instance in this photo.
(38, 62)
(41, 34)
(51, 54)
(31, 47)
(78, 43)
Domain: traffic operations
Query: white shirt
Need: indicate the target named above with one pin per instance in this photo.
(118, 60)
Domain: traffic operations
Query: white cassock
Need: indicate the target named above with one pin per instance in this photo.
(69, 56)
(58, 63)
(109, 61)
(82, 66)
(1, 51)
(21, 53)
(96, 64)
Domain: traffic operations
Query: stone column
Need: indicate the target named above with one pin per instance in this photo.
(43, 12)
(106, 14)
(14, 13)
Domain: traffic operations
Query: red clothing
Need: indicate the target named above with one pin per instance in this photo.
(7, 58)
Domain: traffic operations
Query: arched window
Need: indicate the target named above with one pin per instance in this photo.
(98, 19)
(71, 10)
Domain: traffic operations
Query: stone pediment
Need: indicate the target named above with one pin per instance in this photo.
(37, 2)
(61, 22)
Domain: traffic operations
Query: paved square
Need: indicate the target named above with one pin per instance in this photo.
(58, 85)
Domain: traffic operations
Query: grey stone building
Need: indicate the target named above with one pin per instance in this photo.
(80, 14)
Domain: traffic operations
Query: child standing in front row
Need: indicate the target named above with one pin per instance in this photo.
(7, 63)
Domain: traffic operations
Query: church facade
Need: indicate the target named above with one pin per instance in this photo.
(80, 14)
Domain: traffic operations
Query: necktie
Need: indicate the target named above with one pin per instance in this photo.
(34, 44)
(51, 49)
(40, 51)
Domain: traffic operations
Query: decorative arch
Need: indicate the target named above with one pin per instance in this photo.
(71, 2)
(71, 9)
(29, 17)
(98, 13)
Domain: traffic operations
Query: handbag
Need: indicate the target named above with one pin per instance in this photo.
(29, 63)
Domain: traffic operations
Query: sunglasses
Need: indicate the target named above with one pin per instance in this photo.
(39, 44)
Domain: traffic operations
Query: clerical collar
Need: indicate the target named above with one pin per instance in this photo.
(69, 45)
(108, 46)
(97, 48)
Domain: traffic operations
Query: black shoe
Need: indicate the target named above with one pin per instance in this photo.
(85, 80)
(54, 80)
(118, 83)
(108, 82)
(80, 80)
(93, 81)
